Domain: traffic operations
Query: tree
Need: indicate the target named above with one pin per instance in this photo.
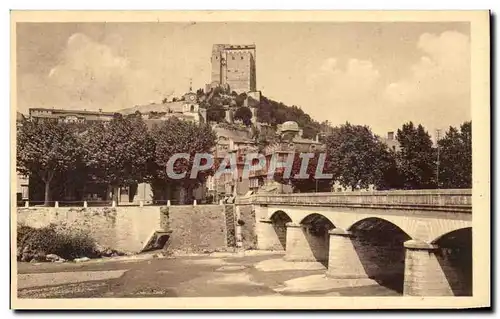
(240, 99)
(264, 137)
(455, 158)
(120, 152)
(273, 113)
(216, 114)
(416, 157)
(306, 185)
(245, 114)
(357, 158)
(387, 175)
(46, 148)
(175, 136)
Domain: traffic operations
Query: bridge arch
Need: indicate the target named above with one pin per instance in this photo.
(459, 236)
(279, 219)
(379, 245)
(317, 220)
(381, 224)
(280, 216)
(315, 228)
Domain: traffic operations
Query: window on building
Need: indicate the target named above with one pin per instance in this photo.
(233, 57)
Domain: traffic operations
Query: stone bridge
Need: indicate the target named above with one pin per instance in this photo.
(418, 242)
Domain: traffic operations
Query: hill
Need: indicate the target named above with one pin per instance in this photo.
(268, 110)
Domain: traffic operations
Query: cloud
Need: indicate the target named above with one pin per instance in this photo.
(433, 91)
(442, 73)
(350, 84)
(436, 90)
(89, 73)
(92, 75)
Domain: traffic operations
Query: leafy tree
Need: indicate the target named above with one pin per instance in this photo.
(45, 149)
(245, 114)
(416, 157)
(455, 158)
(264, 137)
(177, 136)
(218, 91)
(240, 99)
(388, 176)
(120, 152)
(216, 114)
(357, 158)
(273, 113)
(306, 185)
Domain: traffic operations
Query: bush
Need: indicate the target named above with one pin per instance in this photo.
(244, 114)
(36, 243)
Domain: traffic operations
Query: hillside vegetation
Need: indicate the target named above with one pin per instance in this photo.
(268, 110)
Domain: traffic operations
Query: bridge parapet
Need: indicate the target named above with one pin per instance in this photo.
(450, 200)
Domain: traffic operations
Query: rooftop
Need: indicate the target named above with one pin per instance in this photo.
(175, 107)
(234, 46)
(67, 111)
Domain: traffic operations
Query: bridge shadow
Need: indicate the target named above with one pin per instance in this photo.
(279, 220)
(455, 258)
(317, 236)
(379, 245)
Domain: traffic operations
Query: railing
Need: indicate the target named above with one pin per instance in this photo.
(103, 203)
(455, 200)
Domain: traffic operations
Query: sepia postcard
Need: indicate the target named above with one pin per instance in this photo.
(250, 160)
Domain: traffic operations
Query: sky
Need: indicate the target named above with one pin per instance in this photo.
(380, 74)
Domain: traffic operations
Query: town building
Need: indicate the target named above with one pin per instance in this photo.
(391, 141)
(69, 116)
(290, 142)
(231, 141)
(22, 182)
(187, 108)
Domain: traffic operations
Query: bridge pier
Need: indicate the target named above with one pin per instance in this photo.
(343, 259)
(301, 245)
(268, 235)
(424, 274)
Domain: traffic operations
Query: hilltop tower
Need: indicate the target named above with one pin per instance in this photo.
(234, 66)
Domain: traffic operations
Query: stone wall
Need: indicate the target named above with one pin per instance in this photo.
(199, 228)
(128, 229)
(248, 234)
(125, 229)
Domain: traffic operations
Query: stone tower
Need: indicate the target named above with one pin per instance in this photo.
(234, 66)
